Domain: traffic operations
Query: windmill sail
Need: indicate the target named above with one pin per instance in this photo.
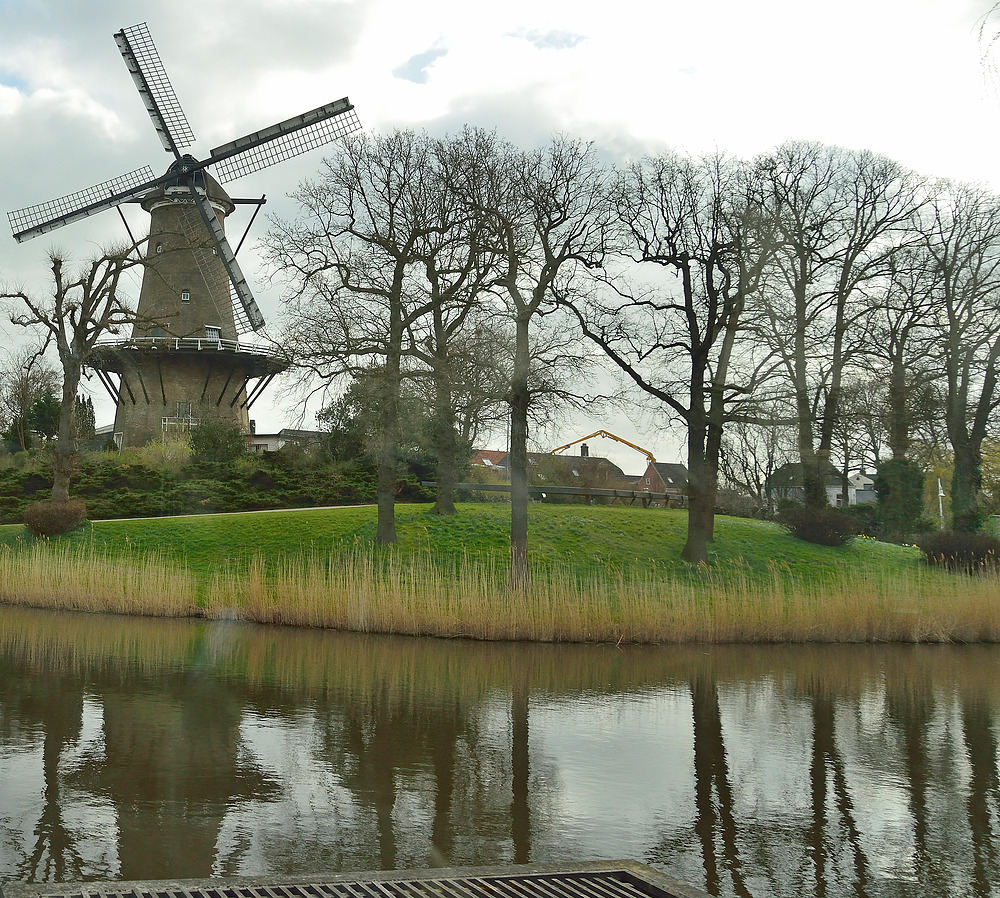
(236, 278)
(154, 87)
(284, 140)
(247, 154)
(34, 220)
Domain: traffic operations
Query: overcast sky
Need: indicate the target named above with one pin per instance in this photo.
(905, 78)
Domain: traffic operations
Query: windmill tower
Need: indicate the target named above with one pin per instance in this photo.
(186, 360)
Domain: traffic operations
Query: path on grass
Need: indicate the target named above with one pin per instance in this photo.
(216, 514)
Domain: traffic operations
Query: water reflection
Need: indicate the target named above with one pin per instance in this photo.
(153, 749)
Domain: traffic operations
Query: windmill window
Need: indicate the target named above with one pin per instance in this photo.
(185, 296)
(213, 333)
(183, 409)
(159, 247)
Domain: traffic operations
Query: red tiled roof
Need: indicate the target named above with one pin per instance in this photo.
(488, 458)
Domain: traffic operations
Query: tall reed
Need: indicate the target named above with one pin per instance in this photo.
(372, 591)
(54, 575)
(368, 592)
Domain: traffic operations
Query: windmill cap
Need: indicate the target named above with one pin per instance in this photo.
(202, 180)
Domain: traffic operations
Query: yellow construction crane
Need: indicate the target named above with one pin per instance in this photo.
(604, 433)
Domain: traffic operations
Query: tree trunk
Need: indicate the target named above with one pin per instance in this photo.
(899, 415)
(813, 477)
(701, 499)
(62, 463)
(385, 531)
(966, 482)
(520, 575)
(445, 441)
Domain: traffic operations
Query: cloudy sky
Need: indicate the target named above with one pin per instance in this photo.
(908, 78)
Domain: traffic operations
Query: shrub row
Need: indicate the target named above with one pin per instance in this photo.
(969, 553)
(116, 485)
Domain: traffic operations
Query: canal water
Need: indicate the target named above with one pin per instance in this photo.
(147, 749)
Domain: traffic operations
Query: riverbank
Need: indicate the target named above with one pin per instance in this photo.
(602, 574)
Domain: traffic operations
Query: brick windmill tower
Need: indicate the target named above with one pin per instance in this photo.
(187, 359)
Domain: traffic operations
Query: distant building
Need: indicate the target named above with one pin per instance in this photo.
(488, 458)
(864, 488)
(559, 469)
(665, 477)
(787, 484)
(576, 470)
(272, 442)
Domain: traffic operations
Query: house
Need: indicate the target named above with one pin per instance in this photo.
(582, 470)
(488, 458)
(665, 477)
(546, 469)
(786, 484)
(272, 442)
(864, 488)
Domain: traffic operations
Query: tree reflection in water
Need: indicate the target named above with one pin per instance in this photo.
(154, 749)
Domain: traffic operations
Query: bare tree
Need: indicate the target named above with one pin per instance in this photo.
(25, 377)
(752, 452)
(675, 337)
(86, 304)
(460, 266)
(900, 327)
(545, 217)
(963, 240)
(840, 216)
(355, 263)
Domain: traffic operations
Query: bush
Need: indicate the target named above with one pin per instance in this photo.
(737, 504)
(958, 550)
(216, 442)
(900, 488)
(867, 517)
(822, 526)
(49, 518)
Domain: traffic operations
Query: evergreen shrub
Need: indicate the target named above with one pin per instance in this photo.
(899, 485)
(868, 519)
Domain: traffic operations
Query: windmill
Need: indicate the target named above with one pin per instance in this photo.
(184, 361)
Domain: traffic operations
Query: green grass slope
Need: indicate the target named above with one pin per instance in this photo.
(583, 538)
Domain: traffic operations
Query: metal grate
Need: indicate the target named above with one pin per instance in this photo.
(635, 882)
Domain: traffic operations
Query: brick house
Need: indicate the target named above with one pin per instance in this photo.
(665, 477)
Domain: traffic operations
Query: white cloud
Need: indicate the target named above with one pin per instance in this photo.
(902, 77)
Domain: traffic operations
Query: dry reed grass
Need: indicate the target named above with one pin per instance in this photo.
(75, 578)
(366, 593)
(370, 592)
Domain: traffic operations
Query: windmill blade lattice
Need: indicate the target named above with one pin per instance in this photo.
(34, 220)
(245, 155)
(239, 283)
(154, 87)
(284, 140)
(203, 254)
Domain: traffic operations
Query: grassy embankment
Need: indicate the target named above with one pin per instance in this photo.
(600, 573)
